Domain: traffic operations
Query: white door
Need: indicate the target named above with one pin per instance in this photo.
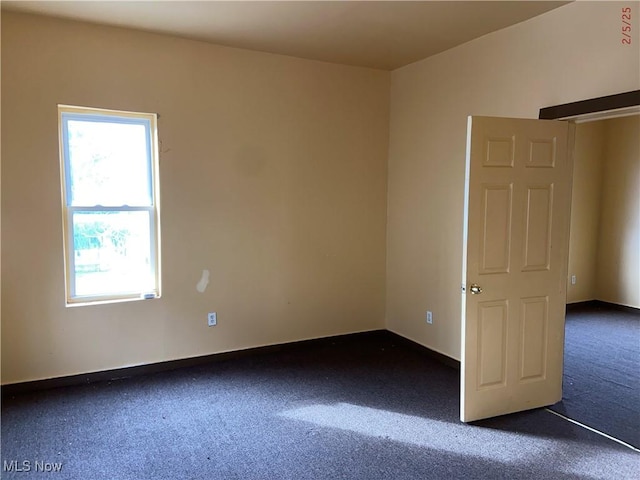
(516, 241)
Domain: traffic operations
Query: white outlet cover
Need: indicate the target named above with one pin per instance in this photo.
(212, 318)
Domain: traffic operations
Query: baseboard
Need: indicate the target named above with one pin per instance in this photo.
(127, 372)
(441, 358)
(599, 304)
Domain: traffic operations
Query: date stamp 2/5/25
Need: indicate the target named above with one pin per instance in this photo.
(625, 17)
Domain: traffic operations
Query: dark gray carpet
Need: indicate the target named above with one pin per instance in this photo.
(601, 386)
(359, 407)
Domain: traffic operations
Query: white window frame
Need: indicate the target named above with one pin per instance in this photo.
(149, 121)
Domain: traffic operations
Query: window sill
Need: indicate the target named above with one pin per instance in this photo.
(106, 301)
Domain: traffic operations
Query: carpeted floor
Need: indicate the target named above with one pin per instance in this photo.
(365, 406)
(601, 386)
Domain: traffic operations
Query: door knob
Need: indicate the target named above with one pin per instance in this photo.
(475, 289)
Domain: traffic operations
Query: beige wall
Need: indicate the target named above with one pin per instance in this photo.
(568, 54)
(618, 259)
(273, 177)
(585, 210)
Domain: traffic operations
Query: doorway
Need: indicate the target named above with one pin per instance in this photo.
(601, 382)
(496, 370)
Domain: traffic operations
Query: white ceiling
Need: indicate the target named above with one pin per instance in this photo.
(377, 34)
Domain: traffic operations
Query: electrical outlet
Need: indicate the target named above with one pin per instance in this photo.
(212, 319)
(573, 279)
(429, 317)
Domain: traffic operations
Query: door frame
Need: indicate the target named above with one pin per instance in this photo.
(599, 108)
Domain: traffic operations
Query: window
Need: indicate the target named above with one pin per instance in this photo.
(109, 172)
